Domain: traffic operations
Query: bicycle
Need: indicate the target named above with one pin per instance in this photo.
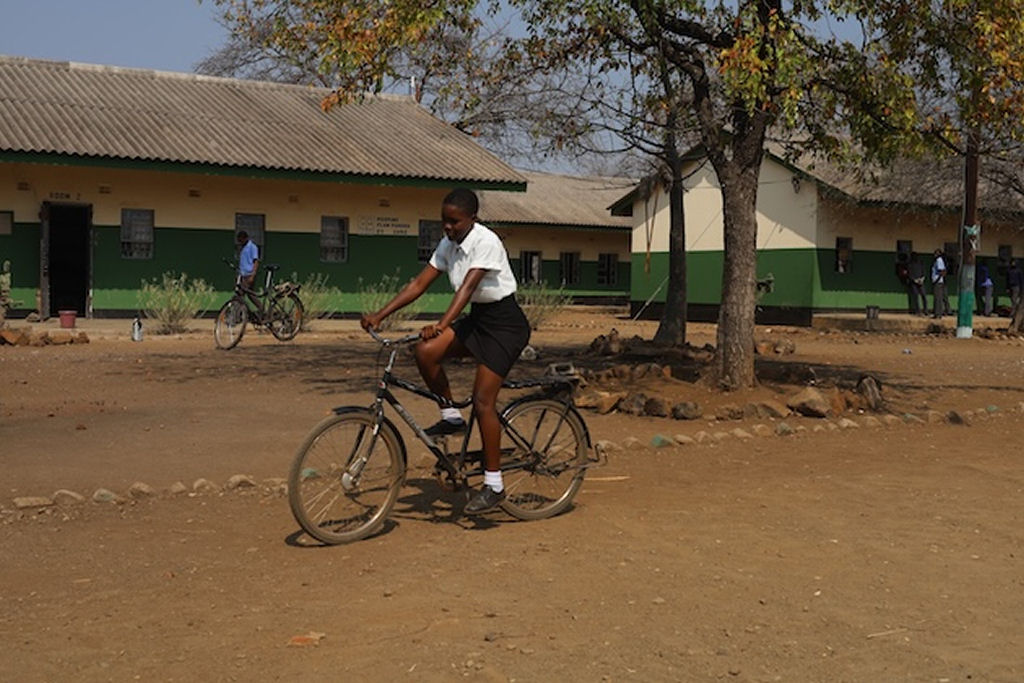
(346, 475)
(277, 308)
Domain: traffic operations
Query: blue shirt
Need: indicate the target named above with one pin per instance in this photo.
(247, 258)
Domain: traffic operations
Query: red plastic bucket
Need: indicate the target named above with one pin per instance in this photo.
(67, 318)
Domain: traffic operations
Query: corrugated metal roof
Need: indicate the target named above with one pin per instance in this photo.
(552, 199)
(905, 184)
(86, 110)
(936, 183)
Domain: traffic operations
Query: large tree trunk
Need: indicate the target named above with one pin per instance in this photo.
(734, 359)
(672, 328)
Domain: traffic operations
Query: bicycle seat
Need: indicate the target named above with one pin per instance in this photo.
(272, 266)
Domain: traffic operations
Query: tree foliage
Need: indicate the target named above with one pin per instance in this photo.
(732, 75)
(441, 52)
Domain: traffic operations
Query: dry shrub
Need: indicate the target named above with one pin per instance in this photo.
(172, 300)
(540, 303)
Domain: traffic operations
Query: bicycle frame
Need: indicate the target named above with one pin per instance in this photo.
(258, 299)
(454, 470)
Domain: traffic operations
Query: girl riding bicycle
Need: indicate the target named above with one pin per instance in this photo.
(495, 332)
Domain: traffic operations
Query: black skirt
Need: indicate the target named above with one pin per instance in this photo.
(495, 333)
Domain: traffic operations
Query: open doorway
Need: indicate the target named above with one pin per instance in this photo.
(67, 257)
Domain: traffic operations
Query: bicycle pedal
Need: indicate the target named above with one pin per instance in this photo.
(445, 482)
(441, 440)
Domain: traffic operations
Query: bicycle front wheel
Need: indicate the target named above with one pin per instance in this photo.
(230, 324)
(541, 480)
(285, 317)
(344, 480)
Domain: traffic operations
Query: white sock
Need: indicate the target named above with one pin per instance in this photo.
(493, 479)
(451, 414)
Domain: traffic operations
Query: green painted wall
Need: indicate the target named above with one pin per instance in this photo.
(21, 248)
(199, 254)
(790, 268)
(803, 278)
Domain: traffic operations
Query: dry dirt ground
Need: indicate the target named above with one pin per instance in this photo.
(886, 554)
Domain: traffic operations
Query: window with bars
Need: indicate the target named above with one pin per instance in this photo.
(904, 248)
(844, 254)
(253, 224)
(137, 233)
(607, 269)
(429, 237)
(569, 270)
(333, 239)
(1005, 252)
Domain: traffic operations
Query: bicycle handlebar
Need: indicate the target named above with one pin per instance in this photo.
(388, 342)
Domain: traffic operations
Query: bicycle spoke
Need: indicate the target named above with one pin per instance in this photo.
(229, 325)
(334, 511)
(545, 470)
(319, 518)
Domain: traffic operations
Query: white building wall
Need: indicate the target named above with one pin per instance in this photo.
(289, 206)
(786, 213)
(878, 229)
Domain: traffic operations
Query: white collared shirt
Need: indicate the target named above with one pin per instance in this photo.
(481, 248)
(938, 266)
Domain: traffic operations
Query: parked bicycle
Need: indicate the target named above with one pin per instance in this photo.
(277, 308)
(347, 473)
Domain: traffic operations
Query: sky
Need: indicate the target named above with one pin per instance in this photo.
(168, 35)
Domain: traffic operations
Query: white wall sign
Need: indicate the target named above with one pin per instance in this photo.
(381, 225)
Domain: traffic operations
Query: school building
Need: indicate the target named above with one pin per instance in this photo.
(560, 232)
(826, 242)
(112, 176)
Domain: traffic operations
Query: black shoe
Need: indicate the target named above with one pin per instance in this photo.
(486, 499)
(445, 427)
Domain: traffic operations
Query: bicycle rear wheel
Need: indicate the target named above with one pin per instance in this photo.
(285, 317)
(230, 324)
(542, 481)
(344, 481)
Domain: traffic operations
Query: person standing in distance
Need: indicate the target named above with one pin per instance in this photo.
(938, 285)
(917, 295)
(494, 332)
(248, 259)
(1014, 284)
(986, 286)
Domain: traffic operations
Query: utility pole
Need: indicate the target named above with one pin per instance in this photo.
(970, 239)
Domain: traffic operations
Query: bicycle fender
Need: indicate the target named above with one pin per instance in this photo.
(572, 409)
(385, 424)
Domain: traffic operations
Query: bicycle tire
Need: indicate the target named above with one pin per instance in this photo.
(542, 483)
(285, 317)
(229, 326)
(324, 506)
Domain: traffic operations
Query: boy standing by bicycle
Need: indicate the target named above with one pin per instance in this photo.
(495, 332)
(248, 259)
